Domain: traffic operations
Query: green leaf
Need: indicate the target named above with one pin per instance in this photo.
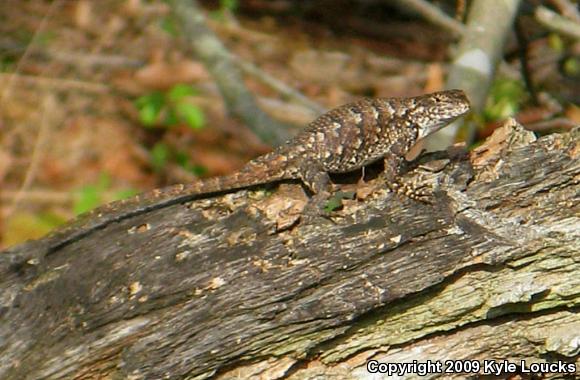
(335, 202)
(571, 66)
(183, 160)
(180, 91)
(171, 118)
(225, 6)
(45, 38)
(556, 42)
(159, 156)
(230, 5)
(198, 170)
(150, 107)
(505, 99)
(8, 63)
(90, 196)
(192, 115)
(168, 26)
(104, 181)
(124, 194)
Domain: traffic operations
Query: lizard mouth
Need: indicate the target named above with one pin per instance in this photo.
(430, 128)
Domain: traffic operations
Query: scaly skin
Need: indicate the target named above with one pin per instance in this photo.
(341, 140)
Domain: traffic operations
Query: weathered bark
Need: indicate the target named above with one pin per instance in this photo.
(488, 271)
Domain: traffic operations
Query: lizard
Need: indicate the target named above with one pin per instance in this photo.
(342, 140)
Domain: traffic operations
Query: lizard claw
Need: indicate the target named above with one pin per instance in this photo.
(421, 193)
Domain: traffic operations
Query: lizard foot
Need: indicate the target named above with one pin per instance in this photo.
(419, 192)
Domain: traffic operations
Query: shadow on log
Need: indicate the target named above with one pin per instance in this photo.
(214, 288)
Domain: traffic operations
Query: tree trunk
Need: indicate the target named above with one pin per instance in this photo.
(228, 286)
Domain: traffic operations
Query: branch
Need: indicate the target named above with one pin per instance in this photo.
(489, 24)
(557, 23)
(278, 86)
(434, 15)
(209, 49)
(216, 287)
(567, 9)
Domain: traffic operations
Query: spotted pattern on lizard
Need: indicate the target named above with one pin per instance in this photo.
(341, 140)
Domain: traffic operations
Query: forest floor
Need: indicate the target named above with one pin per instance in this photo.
(88, 92)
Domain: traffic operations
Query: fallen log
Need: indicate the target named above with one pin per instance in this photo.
(233, 285)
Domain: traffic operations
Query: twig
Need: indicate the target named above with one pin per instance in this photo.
(567, 9)
(57, 83)
(217, 59)
(557, 23)
(38, 196)
(27, 52)
(90, 59)
(232, 28)
(277, 85)
(72, 57)
(48, 105)
(434, 15)
(524, 61)
(288, 112)
(489, 24)
(560, 122)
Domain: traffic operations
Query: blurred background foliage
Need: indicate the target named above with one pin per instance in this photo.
(102, 99)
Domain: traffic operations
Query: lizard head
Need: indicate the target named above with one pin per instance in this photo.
(431, 112)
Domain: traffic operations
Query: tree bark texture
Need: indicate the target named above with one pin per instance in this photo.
(227, 286)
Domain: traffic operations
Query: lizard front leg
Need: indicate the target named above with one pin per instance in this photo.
(392, 176)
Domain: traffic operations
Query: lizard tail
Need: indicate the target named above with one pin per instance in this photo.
(244, 178)
(254, 173)
(268, 168)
